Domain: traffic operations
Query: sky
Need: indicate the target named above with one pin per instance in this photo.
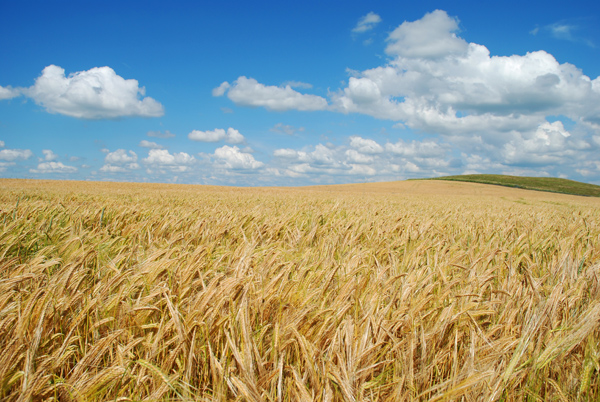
(298, 93)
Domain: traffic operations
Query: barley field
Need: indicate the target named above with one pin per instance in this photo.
(407, 291)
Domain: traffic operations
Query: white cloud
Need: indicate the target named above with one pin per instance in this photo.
(8, 93)
(113, 169)
(365, 146)
(366, 158)
(357, 157)
(417, 149)
(97, 93)
(1, 144)
(120, 156)
(49, 155)
(572, 31)
(120, 161)
(430, 37)
(233, 158)
(221, 89)
(549, 144)
(249, 92)
(285, 153)
(177, 162)
(562, 31)
(367, 22)
(437, 83)
(362, 170)
(11, 155)
(53, 167)
(286, 129)
(231, 136)
(150, 144)
(160, 134)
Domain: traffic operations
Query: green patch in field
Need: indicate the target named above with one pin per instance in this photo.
(551, 184)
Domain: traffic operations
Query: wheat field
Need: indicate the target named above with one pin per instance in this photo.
(403, 291)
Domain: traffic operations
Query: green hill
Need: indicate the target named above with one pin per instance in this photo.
(550, 184)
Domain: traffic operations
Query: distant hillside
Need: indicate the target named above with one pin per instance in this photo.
(550, 184)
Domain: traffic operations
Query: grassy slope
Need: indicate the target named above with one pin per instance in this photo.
(551, 184)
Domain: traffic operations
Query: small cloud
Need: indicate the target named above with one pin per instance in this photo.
(49, 155)
(286, 129)
(105, 150)
(233, 158)
(160, 134)
(1, 144)
(249, 92)
(564, 30)
(8, 93)
(226, 110)
(120, 156)
(221, 89)
(11, 155)
(366, 23)
(53, 167)
(232, 136)
(150, 144)
(163, 157)
(112, 169)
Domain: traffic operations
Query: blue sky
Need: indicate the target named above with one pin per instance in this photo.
(282, 93)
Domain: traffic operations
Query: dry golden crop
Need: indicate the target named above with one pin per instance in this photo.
(383, 292)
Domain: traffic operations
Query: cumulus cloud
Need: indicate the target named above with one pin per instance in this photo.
(234, 158)
(120, 161)
(231, 136)
(365, 145)
(249, 92)
(97, 93)
(163, 159)
(8, 93)
(150, 144)
(357, 157)
(366, 23)
(120, 156)
(417, 149)
(1, 144)
(11, 155)
(49, 155)
(431, 37)
(364, 157)
(550, 144)
(439, 84)
(53, 167)
(108, 168)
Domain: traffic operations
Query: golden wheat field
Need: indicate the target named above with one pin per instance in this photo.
(382, 292)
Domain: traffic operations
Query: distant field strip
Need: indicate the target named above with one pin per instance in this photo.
(551, 184)
(383, 292)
